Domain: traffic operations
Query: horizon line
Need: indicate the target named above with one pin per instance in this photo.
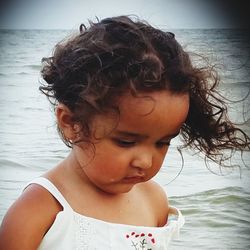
(177, 28)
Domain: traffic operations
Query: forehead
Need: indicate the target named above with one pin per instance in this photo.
(155, 114)
(158, 109)
(145, 104)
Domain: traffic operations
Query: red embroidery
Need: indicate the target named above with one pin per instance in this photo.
(141, 241)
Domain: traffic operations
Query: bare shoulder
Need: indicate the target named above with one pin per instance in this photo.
(28, 219)
(158, 199)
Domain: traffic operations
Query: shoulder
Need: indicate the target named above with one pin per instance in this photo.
(154, 190)
(158, 200)
(28, 219)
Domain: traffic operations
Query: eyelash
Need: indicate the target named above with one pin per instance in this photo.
(163, 144)
(127, 144)
(124, 143)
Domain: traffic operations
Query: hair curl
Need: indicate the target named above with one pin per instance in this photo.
(90, 71)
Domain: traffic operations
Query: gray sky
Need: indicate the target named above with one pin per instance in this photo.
(68, 14)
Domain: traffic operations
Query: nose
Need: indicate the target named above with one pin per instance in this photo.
(142, 160)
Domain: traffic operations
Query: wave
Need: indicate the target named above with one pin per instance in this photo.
(34, 66)
(7, 165)
(223, 207)
(216, 194)
(10, 163)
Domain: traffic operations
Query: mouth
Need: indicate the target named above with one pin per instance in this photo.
(133, 179)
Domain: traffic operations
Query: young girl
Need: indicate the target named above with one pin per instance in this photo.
(122, 90)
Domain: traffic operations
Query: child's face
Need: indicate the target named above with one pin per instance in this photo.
(134, 150)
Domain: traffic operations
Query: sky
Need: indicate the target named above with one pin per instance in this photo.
(68, 14)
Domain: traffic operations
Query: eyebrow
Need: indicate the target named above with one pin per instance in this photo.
(141, 136)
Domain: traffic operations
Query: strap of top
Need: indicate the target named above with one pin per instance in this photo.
(178, 223)
(48, 185)
(181, 219)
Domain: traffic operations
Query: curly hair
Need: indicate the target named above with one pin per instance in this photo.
(91, 70)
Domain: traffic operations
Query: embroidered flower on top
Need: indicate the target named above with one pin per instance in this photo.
(141, 241)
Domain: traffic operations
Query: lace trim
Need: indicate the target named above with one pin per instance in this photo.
(84, 234)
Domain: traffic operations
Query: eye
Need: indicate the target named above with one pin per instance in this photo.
(162, 144)
(124, 143)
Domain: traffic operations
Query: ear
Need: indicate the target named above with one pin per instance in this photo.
(65, 121)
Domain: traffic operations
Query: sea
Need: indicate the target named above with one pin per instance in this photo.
(214, 200)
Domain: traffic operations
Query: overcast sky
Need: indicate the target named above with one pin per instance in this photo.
(68, 14)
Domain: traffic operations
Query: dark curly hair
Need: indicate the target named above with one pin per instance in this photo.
(91, 70)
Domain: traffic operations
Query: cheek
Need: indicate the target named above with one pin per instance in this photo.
(161, 157)
(108, 166)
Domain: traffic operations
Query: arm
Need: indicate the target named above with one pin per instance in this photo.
(28, 219)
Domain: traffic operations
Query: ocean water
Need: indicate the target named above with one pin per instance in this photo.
(216, 205)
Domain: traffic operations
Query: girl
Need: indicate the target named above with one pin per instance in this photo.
(122, 90)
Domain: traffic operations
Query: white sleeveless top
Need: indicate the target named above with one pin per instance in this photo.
(74, 231)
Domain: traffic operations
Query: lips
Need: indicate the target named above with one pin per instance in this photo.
(133, 179)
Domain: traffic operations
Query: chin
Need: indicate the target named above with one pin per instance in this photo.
(118, 190)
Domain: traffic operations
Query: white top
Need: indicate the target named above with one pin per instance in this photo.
(74, 231)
